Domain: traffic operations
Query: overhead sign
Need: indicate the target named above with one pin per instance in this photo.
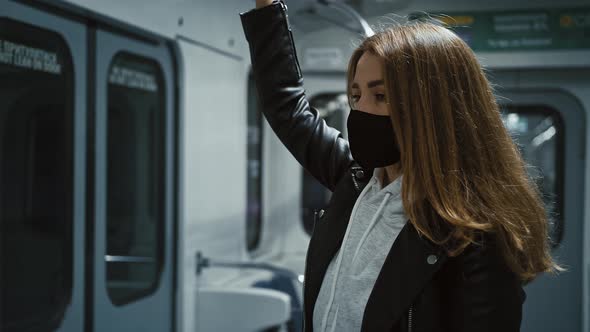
(544, 29)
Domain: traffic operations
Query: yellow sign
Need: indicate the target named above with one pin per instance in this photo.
(456, 20)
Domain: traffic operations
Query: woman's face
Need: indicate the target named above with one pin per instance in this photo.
(368, 87)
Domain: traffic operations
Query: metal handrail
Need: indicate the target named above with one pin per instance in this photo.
(128, 259)
(365, 28)
(204, 262)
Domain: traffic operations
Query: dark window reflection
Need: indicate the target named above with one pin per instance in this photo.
(538, 132)
(135, 178)
(36, 111)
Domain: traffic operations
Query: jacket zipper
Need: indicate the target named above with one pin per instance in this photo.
(410, 314)
(305, 272)
(304, 280)
(356, 185)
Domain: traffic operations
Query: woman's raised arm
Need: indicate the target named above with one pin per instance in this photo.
(320, 149)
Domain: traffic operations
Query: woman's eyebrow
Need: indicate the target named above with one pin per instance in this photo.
(375, 83)
(371, 84)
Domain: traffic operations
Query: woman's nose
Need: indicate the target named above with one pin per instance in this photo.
(362, 105)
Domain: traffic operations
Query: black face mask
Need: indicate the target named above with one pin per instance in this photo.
(372, 140)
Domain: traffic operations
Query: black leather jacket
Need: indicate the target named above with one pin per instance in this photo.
(419, 288)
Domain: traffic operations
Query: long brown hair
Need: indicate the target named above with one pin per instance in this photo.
(463, 174)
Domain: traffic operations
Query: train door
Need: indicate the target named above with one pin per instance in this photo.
(133, 167)
(42, 105)
(549, 127)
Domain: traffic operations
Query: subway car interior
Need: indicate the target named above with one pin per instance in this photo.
(141, 188)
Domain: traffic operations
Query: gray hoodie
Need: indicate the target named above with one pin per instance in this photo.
(375, 222)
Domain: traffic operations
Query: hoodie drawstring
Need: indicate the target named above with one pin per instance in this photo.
(372, 224)
(339, 259)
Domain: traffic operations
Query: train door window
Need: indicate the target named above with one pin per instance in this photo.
(36, 147)
(538, 133)
(254, 185)
(333, 108)
(135, 178)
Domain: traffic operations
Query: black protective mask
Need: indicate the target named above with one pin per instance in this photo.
(372, 140)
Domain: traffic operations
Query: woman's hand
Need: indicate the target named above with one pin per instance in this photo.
(263, 3)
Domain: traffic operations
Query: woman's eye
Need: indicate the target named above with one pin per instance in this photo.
(380, 97)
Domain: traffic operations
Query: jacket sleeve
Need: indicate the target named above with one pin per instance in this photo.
(486, 295)
(320, 149)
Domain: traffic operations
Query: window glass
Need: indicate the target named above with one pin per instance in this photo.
(538, 132)
(333, 108)
(135, 177)
(254, 185)
(36, 111)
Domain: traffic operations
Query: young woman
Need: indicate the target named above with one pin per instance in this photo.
(433, 224)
